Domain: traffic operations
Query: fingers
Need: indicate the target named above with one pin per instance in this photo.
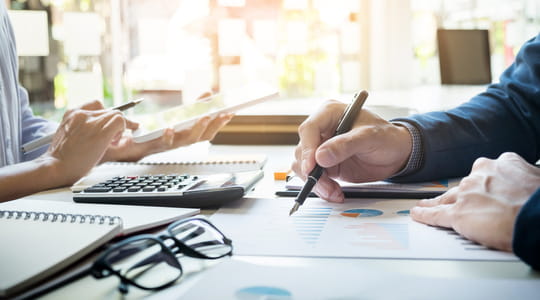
(339, 148)
(449, 197)
(194, 134)
(165, 142)
(204, 95)
(440, 215)
(215, 125)
(131, 124)
(112, 123)
(314, 130)
(93, 105)
(436, 211)
(329, 190)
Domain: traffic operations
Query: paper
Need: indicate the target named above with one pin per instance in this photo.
(357, 228)
(331, 279)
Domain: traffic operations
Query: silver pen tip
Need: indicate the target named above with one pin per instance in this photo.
(294, 208)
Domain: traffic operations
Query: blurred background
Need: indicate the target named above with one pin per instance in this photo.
(170, 51)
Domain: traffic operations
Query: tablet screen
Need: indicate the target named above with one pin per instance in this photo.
(184, 116)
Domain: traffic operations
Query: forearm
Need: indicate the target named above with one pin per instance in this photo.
(502, 119)
(27, 178)
(526, 240)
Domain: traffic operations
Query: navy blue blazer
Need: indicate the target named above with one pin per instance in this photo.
(504, 118)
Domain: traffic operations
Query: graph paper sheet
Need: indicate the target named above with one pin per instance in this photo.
(357, 228)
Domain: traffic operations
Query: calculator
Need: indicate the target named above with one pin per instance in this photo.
(176, 190)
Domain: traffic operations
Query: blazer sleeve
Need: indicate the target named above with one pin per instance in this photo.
(526, 242)
(504, 118)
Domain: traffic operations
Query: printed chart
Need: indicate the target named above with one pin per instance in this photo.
(357, 228)
(263, 292)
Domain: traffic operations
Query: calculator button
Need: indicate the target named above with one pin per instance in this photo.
(119, 189)
(148, 189)
(134, 189)
(162, 189)
(97, 189)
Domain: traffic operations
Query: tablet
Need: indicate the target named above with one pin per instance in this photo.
(184, 116)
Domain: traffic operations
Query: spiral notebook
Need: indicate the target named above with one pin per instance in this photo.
(39, 238)
(210, 165)
(37, 244)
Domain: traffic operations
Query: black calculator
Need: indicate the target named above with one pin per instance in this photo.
(176, 190)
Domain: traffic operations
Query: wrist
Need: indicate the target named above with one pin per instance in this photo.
(29, 177)
(406, 145)
(52, 171)
(412, 153)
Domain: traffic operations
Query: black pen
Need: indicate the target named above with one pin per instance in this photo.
(344, 125)
(32, 145)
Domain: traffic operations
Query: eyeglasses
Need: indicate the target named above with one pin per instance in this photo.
(150, 261)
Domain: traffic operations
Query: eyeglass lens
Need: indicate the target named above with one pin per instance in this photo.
(146, 263)
(202, 237)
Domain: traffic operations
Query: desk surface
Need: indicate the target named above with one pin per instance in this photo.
(278, 158)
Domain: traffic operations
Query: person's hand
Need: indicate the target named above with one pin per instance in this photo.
(205, 129)
(81, 140)
(374, 149)
(484, 206)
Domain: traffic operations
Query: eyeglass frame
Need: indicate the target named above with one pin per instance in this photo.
(101, 269)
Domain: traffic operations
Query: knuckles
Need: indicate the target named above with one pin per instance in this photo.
(481, 162)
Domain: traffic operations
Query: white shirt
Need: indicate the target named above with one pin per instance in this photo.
(18, 125)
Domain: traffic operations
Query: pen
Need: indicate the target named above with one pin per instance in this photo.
(344, 125)
(44, 140)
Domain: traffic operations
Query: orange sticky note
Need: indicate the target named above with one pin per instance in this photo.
(281, 175)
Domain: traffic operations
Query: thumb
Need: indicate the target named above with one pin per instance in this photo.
(335, 150)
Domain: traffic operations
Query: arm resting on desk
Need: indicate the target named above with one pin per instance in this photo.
(526, 243)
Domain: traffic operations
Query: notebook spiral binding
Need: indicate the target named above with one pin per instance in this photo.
(60, 217)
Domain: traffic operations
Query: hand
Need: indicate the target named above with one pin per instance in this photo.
(484, 206)
(205, 129)
(81, 140)
(374, 149)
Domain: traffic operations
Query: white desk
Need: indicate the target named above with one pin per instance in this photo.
(278, 156)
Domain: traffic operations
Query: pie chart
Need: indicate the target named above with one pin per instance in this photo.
(403, 212)
(263, 293)
(361, 213)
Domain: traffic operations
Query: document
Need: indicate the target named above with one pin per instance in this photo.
(364, 228)
(287, 279)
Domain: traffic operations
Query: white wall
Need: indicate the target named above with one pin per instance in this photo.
(391, 53)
